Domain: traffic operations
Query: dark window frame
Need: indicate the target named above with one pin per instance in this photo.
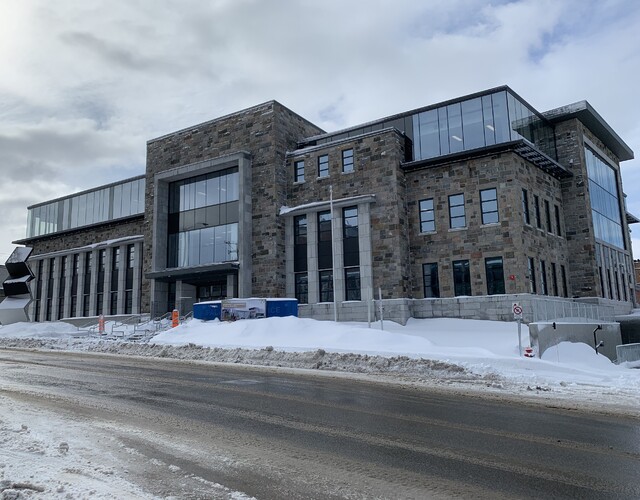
(494, 274)
(348, 163)
(525, 207)
(461, 278)
(323, 166)
(455, 219)
(486, 206)
(430, 280)
(427, 216)
(298, 171)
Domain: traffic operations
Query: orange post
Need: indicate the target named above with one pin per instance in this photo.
(101, 324)
(175, 318)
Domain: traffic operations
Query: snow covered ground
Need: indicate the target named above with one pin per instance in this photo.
(45, 455)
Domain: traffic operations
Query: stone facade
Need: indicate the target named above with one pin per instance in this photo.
(386, 184)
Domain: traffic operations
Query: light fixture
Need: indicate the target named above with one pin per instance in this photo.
(456, 138)
(490, 127)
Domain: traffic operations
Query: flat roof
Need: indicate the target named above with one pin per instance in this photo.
(584, 112)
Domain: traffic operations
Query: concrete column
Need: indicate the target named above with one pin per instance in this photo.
(232, 285)
(245, 229)
(108, 272)
(185, 297)
(159, 298)
(290, 287)
(56, 288)
(68, 270)
(338, 255)
(82, 257)
(94, 283)
(364, 244)
(137, 277)
(122, 277)
(312, 258)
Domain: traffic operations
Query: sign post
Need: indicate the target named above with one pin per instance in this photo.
(517, 315)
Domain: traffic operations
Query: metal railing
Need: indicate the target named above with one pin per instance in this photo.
(569, 311)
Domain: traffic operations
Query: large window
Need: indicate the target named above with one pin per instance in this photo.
(495, 275)
(128, 281)
(457, 217)
(325, 256)
(300, 259)
(62, 285)
(461, 278)
(489, 205)
(547, 215)
(102, 259)
(536, 211)
(323, 166)
(476, 123)
(531, 271)
(203, 219)
(351, 252)
(115, 277)
(430, 279)
(427, 216)
(605, 200)
(298, 171)
(93, 207)
(543, 278)
(88, 262)
(347, 160)
(554, 279)
(557, 217)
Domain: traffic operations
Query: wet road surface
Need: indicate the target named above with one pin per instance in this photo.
(277, 434)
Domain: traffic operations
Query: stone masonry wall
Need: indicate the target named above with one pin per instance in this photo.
(377, 158)
(87, 236)
(266, 132)
(510, 238)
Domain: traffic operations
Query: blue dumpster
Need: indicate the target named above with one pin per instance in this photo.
(207, 310)
(282, 307)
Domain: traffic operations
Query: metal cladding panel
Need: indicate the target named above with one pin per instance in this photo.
(16, 287)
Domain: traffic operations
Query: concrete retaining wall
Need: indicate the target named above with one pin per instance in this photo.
(544, 335)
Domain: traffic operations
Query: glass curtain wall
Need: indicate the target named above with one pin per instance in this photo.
(605, 202)
(203, 219)
(112, 202)
(477, 123)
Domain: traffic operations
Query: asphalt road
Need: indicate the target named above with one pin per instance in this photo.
(277, 434)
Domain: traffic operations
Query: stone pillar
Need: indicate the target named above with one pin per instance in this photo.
(364, 244)
(185, 297)
(290, 284)
(337, 248)
(94, 283)
(81, 264)
(122, 278)
(232, 285)
(68, 272)
(245, 229)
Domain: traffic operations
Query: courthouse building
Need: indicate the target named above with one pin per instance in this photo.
(478, 197)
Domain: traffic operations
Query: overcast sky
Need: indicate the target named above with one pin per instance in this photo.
(84, 85)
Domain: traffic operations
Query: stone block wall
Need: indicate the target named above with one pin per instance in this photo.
(266, 132)
(377, 159)
(87, 236)
(510, 238)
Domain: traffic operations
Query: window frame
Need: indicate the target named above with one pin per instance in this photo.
(484, 211)
(452, 217)
(348, 160)
(298, 171)
(526, 215)
(323, 166)
(461, 287)
(422, 213)
(434, 284)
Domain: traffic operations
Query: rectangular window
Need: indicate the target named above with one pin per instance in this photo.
(431, 281)
(525, 207)
(536, 211)
(563, 277)
(352, 283)
(347, 161)
(457, 217)
(461, 277)
(554, 279)
(532, 276)
(495, 275)
(86, 306)
(323, 166)
(350, 240)
(489, 206)
(325, 249)
(298, 175)
(543, 278)
(302, 287)
(557, 216)
(547, 216)
(427, 216)
(300, 243)
(325, 279)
